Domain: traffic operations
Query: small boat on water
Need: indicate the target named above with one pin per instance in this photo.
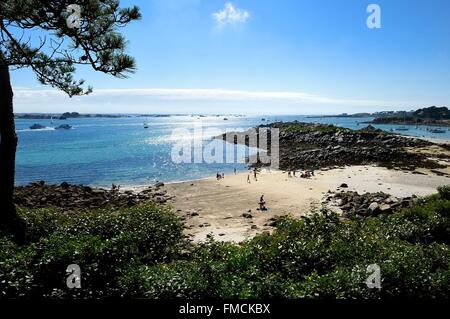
(437, 130)
(37, 127)
(403, 127)
(63, 127)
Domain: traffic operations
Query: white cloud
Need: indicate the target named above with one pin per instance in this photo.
(230, 15)
(180, 94)
(182, 100)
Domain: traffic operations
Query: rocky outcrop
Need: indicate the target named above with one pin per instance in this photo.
(353, 204)
(76, 197)
(306, 146)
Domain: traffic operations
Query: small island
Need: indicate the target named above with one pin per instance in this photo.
(434, 116)
(75, 115)
(62, 116)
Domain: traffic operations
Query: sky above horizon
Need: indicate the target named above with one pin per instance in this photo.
(268, 57)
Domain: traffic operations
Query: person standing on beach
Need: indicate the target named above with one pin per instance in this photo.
(235, 171)
(254, 174)
(248, 179)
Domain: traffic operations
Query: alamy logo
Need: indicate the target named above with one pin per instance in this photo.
(374, 19)
(74, 19)
(374, 279)
(74, 276)
(199, 146)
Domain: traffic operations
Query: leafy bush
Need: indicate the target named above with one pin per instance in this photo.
(136, 252)
(444, 192)
(102, 243)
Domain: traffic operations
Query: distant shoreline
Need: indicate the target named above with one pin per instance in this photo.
(432, 116)
(419, 122)
(64, 116)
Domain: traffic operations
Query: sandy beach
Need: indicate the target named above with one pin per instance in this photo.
(216, 207)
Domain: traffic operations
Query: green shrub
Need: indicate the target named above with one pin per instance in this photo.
(16, 277)
(42, 222)
(136, 252)
(103, 243)
(444, 192)
(426, 222)
(177, 280)
(341, 283)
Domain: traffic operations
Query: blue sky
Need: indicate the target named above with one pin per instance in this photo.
(260, 56)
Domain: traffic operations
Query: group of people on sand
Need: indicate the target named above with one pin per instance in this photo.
(304, 174)
(220, 176)
(307, 174)
(115, 188)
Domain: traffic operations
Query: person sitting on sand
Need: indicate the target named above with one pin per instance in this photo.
(262, 203)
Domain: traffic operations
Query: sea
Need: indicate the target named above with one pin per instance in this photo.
(135, 151)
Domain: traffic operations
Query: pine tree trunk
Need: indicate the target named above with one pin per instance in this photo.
(8, 146)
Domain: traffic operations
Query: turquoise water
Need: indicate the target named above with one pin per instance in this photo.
(101, 151)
